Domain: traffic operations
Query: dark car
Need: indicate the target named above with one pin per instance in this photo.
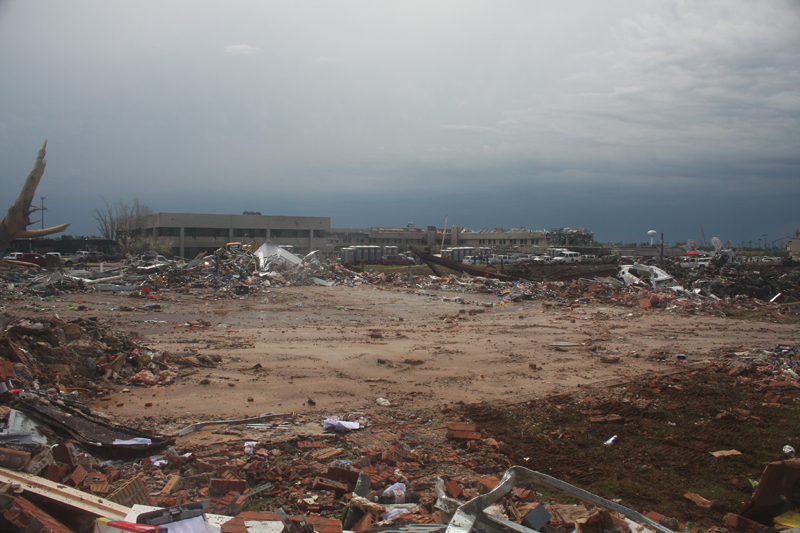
(88, 257)
(36, 259)
(396, 260)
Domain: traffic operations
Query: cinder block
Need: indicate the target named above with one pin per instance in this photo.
(537, 517)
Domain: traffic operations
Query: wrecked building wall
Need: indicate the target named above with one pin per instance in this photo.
(570, 237)
(525, 240)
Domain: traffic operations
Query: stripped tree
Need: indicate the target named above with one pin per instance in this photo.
(15, 225)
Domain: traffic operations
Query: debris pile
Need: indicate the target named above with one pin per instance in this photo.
(239, 274)
(397, 468)
(360, 480)
(85, 356)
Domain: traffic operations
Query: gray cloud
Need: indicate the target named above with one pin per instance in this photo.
(241, 49)
(536, 114)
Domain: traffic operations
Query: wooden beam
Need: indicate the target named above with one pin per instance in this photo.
(65, 495)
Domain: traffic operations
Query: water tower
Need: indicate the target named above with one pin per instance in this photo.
(652, 234)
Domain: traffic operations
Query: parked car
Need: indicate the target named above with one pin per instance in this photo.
(66, 260)
(87, 257)
(35, 259)
(148, 259)
(566, 256)
(505, 259)
(396, 260)
(475, 259)
(695, 262)
(14, 255)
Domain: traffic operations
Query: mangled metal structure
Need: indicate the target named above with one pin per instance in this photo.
(570, 237)
(15, 224)
(649, 276)
(270, 251)
(100, 436)
(471, 516)
(433, 262)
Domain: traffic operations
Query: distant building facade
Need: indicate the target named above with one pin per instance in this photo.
(508, 238)
(192, 233)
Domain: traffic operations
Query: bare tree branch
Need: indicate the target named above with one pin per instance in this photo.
(105, 221)
(121, 221)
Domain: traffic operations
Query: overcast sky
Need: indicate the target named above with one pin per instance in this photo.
(618, 116)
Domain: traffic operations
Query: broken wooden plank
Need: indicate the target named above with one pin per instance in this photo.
(65, 495)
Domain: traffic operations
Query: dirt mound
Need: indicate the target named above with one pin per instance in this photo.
(666, 429)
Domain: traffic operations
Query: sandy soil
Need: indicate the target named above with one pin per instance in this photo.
(345, 347)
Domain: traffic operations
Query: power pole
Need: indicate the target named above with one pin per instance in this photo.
(765, 242)
(43, 199)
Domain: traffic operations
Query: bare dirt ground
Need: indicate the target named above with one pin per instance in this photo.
(345, 347)
(541, 376)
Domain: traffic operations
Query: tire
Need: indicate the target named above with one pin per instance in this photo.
(68, 263)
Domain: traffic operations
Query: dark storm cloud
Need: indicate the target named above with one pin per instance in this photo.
(622, 116)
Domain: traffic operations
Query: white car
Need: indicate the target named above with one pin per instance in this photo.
(695, 262)
(497, 259)
(567, 257)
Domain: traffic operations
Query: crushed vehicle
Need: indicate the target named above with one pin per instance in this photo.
(648, 275)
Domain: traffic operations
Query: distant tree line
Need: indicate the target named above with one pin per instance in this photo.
(124, 223)
(117, 221)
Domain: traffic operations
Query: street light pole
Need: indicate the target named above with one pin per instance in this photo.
(43, 198)
(765, 242)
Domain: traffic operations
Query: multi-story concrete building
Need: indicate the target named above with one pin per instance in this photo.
(437, 238)
(338, 238)
(192, 233)
(521, 239)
